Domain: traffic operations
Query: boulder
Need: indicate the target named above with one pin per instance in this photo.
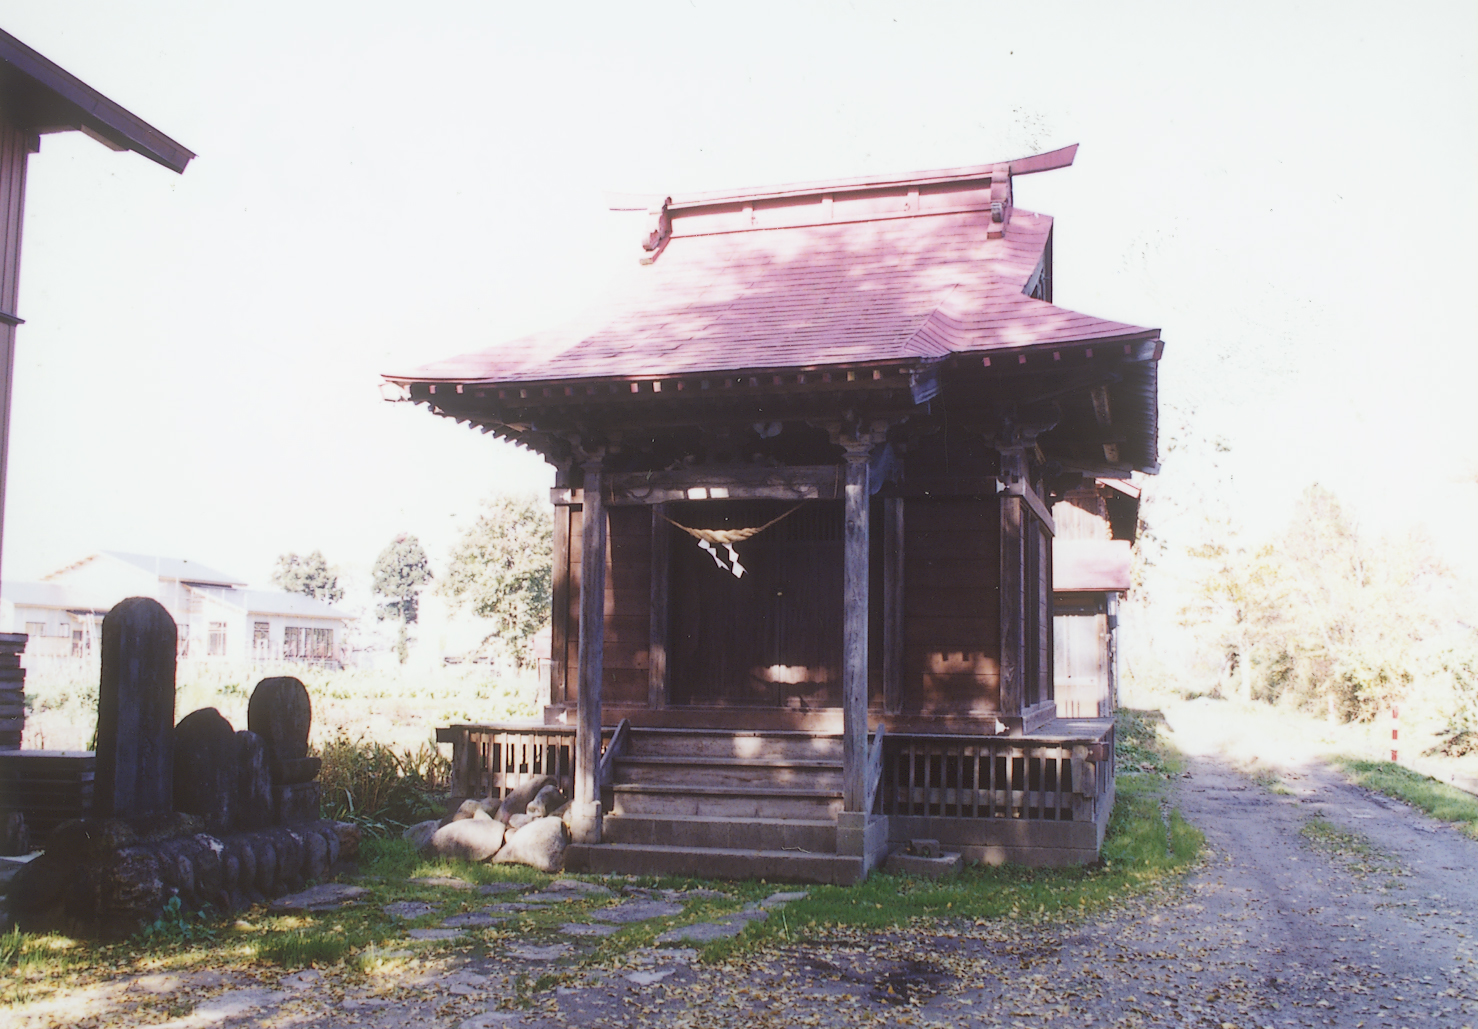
(546, 802)
(420, 834)
(281, 713)
(517, 802)
(519, 821)
(206, 768)
(349, 836)
(468, 809)
(540, 844)
(129, 893)
(470, 839)
(253, 782)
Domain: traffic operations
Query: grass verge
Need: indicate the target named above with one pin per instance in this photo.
(1421, 791)
(1147, 847)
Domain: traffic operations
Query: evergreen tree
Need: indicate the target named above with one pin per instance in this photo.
(400, 572)
(309, 575)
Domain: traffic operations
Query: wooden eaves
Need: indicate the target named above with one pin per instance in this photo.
(46, 98)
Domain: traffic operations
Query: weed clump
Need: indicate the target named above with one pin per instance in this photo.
(379, 789)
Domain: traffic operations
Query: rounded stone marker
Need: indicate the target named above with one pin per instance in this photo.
(253, 782)
(281, 713)
(205, 768)
(135, 748)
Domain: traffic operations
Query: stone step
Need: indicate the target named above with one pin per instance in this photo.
(729, 771)
(762, 801)
(790, 744)
(814, 836)
(713, 863)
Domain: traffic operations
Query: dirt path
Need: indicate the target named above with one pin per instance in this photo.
(1318, 904)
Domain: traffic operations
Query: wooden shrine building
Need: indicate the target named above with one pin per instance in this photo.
(803, 541)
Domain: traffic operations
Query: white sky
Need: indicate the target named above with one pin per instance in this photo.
(1289, 191)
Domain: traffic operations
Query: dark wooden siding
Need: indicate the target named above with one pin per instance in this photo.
(628, 605)
(952, 632)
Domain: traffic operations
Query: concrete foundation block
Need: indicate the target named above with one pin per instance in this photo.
(925, 867)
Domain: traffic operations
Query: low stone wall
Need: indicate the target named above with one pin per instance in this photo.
(106, 877)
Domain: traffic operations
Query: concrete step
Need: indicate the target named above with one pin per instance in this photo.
(814, 836)
(713, 863)
(761, 801)
(730, 771)
(789, 744)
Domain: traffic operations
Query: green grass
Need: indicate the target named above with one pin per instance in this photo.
(1421, 791)
(310, 947)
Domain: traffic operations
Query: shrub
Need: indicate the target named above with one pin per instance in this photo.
(382, 791)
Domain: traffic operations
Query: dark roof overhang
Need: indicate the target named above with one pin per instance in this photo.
(43, 97)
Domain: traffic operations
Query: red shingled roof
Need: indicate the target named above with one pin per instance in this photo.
(875, 285)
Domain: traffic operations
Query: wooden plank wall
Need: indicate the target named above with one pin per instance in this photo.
(952, 633)
(627, 605)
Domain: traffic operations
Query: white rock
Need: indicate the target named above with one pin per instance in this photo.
(469, 839)
(540, 844)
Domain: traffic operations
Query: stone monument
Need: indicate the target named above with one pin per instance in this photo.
(218, 818)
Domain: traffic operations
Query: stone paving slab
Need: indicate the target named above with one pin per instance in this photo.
(492, 889)
(638, 911)
(559, 897)
(426, 935)
(582, 887)
(323, 897)
(588, 929)
(648, 978)
(409, 909)
(533, 952)
(777, 899)
(705, 932)
(471, 920)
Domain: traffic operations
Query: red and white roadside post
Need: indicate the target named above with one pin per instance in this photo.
(1395, 729)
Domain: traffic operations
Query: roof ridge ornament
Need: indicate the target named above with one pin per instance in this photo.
(659, 231)
(1000, 200)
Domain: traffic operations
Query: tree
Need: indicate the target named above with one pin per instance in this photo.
(310, 575)
(1320, 614)
(502, 568)
(400, 572)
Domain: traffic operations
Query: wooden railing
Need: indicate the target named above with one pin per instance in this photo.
(995, 777)
(494, 760)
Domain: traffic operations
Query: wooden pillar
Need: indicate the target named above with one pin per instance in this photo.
(1013, 585)
(16, 147)
(559, 602)
(893, 605)
(657, 643)
(587, 813)
(854, 629)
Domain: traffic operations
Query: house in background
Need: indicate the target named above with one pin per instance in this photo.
(1091, 565)
(217, 615)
